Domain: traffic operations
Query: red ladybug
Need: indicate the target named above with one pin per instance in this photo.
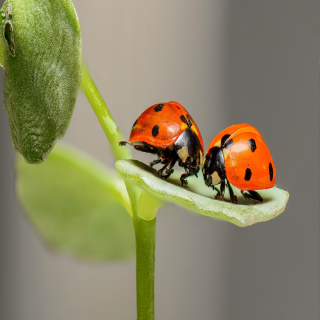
(168, 130)
(240, 156)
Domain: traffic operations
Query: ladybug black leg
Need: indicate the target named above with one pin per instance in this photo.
(184, 177)
(143, 148)
(233, 198)
(161, 170)
(139, 147)
(252, 195)
(256, 196)
(222, 188)
(168, 168)
(245, 195)
(152, 163)
(218, 195)
(169, 173)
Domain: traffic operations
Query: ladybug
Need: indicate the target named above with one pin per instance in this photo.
(168, 130)
(239, 156)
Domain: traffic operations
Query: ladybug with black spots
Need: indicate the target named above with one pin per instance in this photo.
(168, 130)
(239, 156)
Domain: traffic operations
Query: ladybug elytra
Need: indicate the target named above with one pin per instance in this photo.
(239, 156)
(168, 130)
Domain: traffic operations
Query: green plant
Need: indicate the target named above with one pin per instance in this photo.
(76, 204)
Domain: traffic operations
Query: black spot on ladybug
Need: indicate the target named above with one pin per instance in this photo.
(155, 130)
(252, 145)
(270, 171)
(228, 143)
(158, 107)
(183, 119)
(189, 122)
(224, 139)
(248, 174)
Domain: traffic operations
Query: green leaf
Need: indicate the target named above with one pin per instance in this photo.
(77, 205)
(200, 199)
(41, 46)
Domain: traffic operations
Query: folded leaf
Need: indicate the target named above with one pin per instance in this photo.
(77, 205)
(145, 204)
(200, 199)
(41, 47)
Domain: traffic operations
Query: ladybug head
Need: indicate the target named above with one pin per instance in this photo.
(189, 150)
(214, 168)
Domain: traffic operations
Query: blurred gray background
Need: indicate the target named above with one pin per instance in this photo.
(227, 62)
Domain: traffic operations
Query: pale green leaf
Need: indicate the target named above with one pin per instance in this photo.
(199, 198)
(77, 205)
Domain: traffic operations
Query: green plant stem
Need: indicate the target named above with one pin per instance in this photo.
(104, 116)
(144, 230)
(145, 252)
